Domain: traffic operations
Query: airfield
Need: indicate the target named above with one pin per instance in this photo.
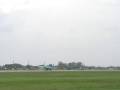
(59, 80)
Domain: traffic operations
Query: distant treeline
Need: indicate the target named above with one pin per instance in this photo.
(59, 66)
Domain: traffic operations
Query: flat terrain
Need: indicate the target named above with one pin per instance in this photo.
(95, 80)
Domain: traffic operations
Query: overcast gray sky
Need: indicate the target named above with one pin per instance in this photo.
(48, 31)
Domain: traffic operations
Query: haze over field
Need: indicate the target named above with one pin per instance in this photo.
(48, 31)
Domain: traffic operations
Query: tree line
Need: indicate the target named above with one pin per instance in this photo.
(59, 66)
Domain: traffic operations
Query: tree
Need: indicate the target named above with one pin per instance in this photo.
(70, 66)
(62, 65)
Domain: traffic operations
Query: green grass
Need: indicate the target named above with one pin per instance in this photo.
(60, 80)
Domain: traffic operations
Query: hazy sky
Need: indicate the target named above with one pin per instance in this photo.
(48, 31)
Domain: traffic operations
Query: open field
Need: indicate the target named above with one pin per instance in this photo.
(103, 80)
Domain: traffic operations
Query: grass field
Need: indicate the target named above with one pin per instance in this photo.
(100, 80)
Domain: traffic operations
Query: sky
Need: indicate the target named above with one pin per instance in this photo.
(49, 31)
